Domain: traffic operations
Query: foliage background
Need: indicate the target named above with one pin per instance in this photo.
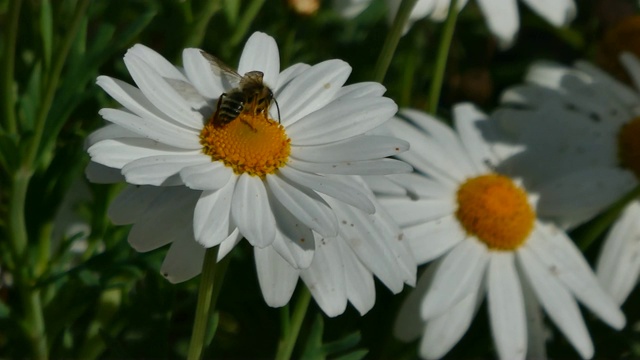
(100, 298)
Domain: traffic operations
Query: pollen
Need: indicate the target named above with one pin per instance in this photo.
(251, 144)
(496, 211)
(629, 146)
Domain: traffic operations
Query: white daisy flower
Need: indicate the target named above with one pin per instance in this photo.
(501, 15)
(586, 125)
(255, 166)
(340, 271)
(483, 233)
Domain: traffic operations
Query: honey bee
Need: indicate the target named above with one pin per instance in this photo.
(248, 93)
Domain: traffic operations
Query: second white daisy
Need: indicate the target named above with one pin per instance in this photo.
(481, 230)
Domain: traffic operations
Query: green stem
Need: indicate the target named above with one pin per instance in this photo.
(52, 83)
(243, 25)
(198, 28)
(203, 308)
(8, 67)
(588, 234)
(392, 40)
(443, 55)
(288, 341)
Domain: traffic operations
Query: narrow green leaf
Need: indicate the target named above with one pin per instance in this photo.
(231, 11)
(354, 355)
(313, 349)
(46, 31)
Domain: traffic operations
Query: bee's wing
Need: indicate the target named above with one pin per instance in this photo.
(230, 78)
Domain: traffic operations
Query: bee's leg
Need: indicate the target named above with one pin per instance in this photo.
(218, 105)
(278, 108)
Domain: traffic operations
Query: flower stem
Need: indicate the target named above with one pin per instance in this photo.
(204, 305)
(443, 55)
(198, 28)
(52, 83)
(392, 40)
(588, 234)
(29, 296)
(8, 66)
(289, 338)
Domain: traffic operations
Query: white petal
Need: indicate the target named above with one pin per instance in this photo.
(325, 278)
(336, 187)
(619, 264)
(430, 240)
(557, 12)
(426, 154)
(168, 217)
(294, 241)
(212, 215)
(183, 261)
(475, 130)
(228, 244)
(384, 186)
(276, 277)
(312, 89)
(566, 263)
(100, 174)
(161, 131)
(361, 290)
(409, 325)
(159, 170)
(506, 307)
(109, 132)
(364, 167)
(341, 119)
(134, 100)
(457, 276)
(375, 239)
(536, 327)
(557, 302)
(198, 70)
(206, 176)
(502, 18)
(444, 331)
(418, 185)
(289, 74)
(157, 62)
(358, 148)
(448, 140)
(260, 53)
(119, 152)
(161, 94)
(362, 89)
(587, 192)
(131, 204)
(251, 211)
(305, 205)
(408, 212)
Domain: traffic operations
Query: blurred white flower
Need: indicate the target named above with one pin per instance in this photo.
(502, 16)
(484, 234)
(586, 125)
(261, 174)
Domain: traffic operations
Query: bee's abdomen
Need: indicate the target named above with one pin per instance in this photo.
(230, 107)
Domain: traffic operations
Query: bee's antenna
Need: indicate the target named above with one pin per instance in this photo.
(278, 108)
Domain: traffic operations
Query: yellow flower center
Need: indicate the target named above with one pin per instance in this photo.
(629, 146)
(251, 144)
(496, 211)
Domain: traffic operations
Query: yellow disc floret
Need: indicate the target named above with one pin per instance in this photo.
(496, 211)
(250, 144)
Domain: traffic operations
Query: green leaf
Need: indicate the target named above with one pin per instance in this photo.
(231, 11)
(313, 348)
(354, 355)
(9, 159)
(46, 31)
(30, 101)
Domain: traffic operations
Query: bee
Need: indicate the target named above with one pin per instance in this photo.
(248, 94)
